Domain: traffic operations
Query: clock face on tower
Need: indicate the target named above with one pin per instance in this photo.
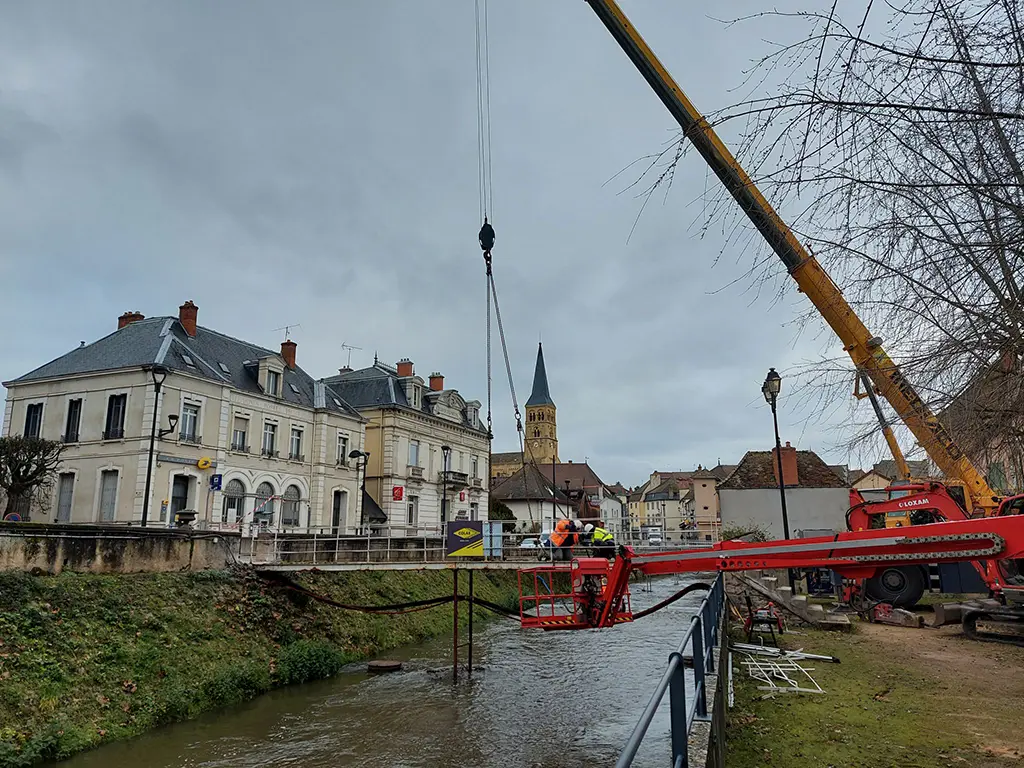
(536, 444)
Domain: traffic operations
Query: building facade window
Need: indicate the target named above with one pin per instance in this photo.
(263, 509)
(342, 450)
(273, 383)
(474, 511)
(475, 466)
(108, 495)
(65, 495)
(116, 407)
(412, 513)
(290, 506)
(414, 453)
(189, 432)
(295, 447)
(73, 421)
(234, 496)
(34, 420)
(339, 510)
(240, 435)
(269, 438)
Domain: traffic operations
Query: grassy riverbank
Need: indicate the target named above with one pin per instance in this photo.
(906, 698)
(86, 659)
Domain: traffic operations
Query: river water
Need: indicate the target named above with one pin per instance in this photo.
(537, 700)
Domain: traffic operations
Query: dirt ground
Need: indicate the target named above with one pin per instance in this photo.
(985, 680)
(901, 697)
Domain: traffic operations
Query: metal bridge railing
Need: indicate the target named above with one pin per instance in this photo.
(701, 638)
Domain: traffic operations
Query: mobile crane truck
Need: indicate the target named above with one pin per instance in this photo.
(893, 571)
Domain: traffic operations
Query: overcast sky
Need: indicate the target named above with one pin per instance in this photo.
(314, 163)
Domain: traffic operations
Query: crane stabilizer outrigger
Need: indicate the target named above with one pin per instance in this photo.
(598, 595)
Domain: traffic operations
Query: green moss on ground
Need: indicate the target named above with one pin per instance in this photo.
(888, 703)
(86, 659)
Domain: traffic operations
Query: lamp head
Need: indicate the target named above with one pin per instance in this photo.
(772, 386)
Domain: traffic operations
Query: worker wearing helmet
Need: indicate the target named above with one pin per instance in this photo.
(602, 541)
(563, 538)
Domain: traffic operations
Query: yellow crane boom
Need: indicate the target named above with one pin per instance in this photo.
(864, 349)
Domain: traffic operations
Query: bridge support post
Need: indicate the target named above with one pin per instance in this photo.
(455, 626)
(469, 653)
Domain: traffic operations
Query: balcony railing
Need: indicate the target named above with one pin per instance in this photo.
(414, 471)
(296, 456)
(113, 434)
(451, 477)
(189, 437)
(270, 453)
(71, 437)
(478, 482)
(240, 447)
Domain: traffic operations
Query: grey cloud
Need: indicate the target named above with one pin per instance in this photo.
(316, 164)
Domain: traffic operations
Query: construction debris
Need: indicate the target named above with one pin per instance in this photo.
(780, 675)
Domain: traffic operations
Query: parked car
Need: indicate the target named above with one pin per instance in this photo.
(654, 541)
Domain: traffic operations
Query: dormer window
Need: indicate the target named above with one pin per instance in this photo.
(273, 383)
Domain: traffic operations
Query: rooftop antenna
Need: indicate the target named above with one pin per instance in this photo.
(287, 329)
(349, 348)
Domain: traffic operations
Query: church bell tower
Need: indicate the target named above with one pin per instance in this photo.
(541, 428)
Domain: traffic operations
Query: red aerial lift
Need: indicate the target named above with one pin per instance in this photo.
(593, 592)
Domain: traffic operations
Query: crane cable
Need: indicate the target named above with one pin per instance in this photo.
(486, 235)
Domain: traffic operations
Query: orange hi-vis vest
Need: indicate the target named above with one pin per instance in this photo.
(561, 533)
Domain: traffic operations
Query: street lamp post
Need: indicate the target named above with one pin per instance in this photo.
(446, 451)
(770, 389)
(158, 373)
(365, 456)
(568, 503)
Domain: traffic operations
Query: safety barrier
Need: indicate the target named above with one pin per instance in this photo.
(386, 544)
(701, 638)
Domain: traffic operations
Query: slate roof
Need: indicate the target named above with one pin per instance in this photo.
(887, 468)
(540, 394)
(618, 489)
(378, 386)
(511, 457)
(755, 470)
(528, 484)
(372, 513)
(163, 341)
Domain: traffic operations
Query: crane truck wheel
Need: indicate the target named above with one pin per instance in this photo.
(902, 586)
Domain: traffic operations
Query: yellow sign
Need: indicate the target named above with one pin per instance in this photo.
(466, 533)
(204, 463)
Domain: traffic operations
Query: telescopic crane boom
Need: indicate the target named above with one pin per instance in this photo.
(864, 349)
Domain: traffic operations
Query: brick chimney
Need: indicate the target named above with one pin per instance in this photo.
(187, 314)
(404, 367)
(789, 470)
(288, 352)
(436, 382)
(128, 318)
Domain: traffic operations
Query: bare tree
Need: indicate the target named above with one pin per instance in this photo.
(893, 147)
(28, 466)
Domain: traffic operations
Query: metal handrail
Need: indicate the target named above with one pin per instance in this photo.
(701, 636)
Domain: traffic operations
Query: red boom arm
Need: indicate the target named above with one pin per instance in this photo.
(600, 588)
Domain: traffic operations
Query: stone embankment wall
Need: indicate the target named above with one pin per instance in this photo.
(51, 549)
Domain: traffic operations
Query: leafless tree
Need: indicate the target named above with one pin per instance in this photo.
(28, 466)
(893, 147)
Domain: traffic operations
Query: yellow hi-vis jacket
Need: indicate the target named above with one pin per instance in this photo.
(601, 536)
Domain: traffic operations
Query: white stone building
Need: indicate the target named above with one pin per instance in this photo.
(278, 440)
(408, 423)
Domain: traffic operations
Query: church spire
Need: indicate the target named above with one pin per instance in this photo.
(540, 394)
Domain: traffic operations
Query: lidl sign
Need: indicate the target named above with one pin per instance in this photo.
(464, 538)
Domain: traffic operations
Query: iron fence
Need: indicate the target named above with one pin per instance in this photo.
(701, 638)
